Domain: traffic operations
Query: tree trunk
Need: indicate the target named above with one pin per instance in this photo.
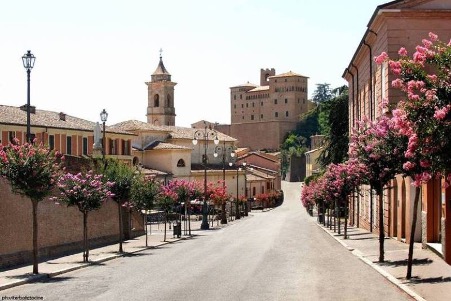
(119, 206)
(145, 228)
(223, 213)
(412, 232)
(346, 218)
(35, 236)
(85, 237)
(165, 222)
(381, 227)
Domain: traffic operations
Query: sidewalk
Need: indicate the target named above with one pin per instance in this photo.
(20, 275)
(431, 275)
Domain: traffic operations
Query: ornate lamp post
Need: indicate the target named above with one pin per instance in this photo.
(28, 60)
(223, 150)
(204, 135)
(103, 117)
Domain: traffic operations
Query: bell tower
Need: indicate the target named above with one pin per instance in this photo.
(160, 97)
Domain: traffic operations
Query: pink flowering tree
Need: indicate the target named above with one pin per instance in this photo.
(340, 180)
(378, 146)
(218, 194)
(166, 201)
(185, 191)
(88, 192)
(144, 194)
(32, 170)
(424, 115)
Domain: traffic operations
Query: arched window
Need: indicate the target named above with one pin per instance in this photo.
(168, 101)
(156, 100)
(181, 163)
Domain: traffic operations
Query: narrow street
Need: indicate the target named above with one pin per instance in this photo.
(279, 254)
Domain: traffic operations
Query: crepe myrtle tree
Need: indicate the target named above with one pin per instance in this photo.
(166, 200)
(32, 170)
(378, 146)
(218, 194)
(185, 191)
(423, 116)
(144, 194)
(123, 177)
(87, 192)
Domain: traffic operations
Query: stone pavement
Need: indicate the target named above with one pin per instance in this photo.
(431, 275)
(20, 275)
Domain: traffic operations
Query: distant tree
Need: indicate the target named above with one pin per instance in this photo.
(32, 171)
(335, 120)
(322, 93)
(144, 195)
(123, 176)
(293, 145)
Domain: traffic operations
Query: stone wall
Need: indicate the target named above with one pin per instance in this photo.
(60, 228)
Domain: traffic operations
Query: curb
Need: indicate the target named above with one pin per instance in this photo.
(381, 271)
(38, 277)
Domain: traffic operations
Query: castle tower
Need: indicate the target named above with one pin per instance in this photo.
(160, 97)
(265, 74)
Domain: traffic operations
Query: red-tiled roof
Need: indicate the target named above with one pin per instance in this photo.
(42, 118)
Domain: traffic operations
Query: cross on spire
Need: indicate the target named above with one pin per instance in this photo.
(161, 52)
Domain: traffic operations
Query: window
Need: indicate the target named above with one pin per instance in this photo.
(261, 103)
(254, 191)
(276, 114)
(286, 114)
(275, 101)
(242, 105)
(247, 105)
(241, 96)
(156, 100)
(69, 145)
(52, 142)
(126, 147)
(286, 100)
(234, 106)
(261, 116)
(168, 101)
(253, 105)
(181, 163)
(252, 117)
(85, 146)
(11, 136)
(113, 147)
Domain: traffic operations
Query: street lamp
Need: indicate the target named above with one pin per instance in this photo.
(28, 60)
(205, 134)
(223, 150)
(103, 117)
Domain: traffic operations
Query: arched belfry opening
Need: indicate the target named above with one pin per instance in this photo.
(161, 104)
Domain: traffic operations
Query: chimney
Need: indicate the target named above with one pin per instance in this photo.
(62, 116)
(32, 109)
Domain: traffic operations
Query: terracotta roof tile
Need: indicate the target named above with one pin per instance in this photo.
(287, 74)
(42, 118)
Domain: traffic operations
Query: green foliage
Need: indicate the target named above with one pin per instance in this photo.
(322, 93)
(123, 177)
(145, 193)
(335, 120)
(308, 125)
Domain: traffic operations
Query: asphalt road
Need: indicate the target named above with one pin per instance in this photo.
(279, 254)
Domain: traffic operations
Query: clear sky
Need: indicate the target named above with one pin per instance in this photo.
(96, 54)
